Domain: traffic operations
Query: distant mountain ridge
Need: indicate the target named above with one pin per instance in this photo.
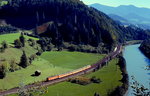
(134, 15)
(119, 19)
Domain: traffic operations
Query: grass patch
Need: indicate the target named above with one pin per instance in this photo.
(71, 60)
(15, 53)
(109, 75)
(50, 63)
(24, 75)
(12, 95)
(2, 3)
(9, 38)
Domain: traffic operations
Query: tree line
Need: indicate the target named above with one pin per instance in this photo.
(7, 29)
(145, 47)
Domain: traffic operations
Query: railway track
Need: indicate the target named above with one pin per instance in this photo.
(96, 66)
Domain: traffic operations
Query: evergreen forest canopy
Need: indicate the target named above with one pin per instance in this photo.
(145, 47)
(68, 21)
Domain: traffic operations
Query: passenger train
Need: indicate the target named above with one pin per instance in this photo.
(116, 51)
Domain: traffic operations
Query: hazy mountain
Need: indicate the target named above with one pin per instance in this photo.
(63, 21)
(119, 19)
(134, 15)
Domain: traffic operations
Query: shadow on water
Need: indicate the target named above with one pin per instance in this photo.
(148, 61)
(148, 66)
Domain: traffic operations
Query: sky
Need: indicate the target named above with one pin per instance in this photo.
(114, 3)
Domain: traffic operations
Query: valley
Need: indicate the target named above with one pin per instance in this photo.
(67, 88)
(68, 48)
(49, 63)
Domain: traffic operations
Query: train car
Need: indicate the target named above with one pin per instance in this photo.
(115, 49)
(98, 64)
(87, 67)
(74, 72)
(120, 48)
(68, 74)
(52, 78)
(64, 75)
(81, 69)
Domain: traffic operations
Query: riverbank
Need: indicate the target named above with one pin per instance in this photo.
(136, 64)
(122, 90)
(133, 42)
(145, 48)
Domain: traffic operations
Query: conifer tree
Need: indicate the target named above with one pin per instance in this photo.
(22, 40)
(24, 60)
(4, 45)
(2, 71)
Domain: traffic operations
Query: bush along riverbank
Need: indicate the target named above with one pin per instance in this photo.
(133, 42)
(121, 90)
(145, 48)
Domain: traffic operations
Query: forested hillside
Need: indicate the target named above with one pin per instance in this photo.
(7, 29)
(67, 21)
(145, 47)
(134, 33)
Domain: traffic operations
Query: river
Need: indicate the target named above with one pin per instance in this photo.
(136, 66)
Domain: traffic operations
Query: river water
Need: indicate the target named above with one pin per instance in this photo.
(136, 66)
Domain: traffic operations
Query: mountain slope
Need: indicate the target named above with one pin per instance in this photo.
(68, 20)
(119, 19)
(133, 14)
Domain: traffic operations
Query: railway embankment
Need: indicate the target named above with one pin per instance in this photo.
(133, 42)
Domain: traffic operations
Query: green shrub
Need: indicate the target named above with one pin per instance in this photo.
(80, 80)
(95, 80)
(2, 71)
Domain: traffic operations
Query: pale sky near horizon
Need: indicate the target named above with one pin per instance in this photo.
(114, 3)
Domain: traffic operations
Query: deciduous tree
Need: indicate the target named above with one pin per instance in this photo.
(17, 43)
(4, 45)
